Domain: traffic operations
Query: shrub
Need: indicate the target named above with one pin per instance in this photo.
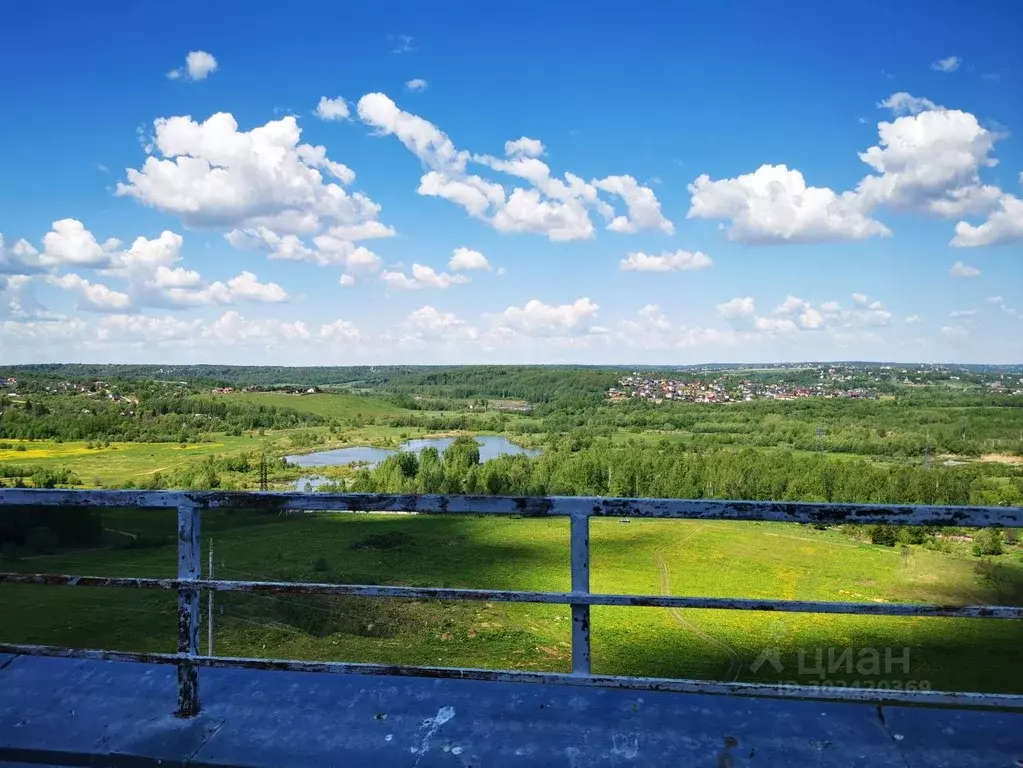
(321, 565)
(988, 542)
(884, 534)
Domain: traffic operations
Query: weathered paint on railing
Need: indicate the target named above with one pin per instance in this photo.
(559, 506)
(579, 509)
(520, 596)
(675, 685)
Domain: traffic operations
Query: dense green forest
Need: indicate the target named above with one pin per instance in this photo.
(606, 468)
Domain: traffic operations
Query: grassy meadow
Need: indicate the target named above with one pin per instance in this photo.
(655, 557)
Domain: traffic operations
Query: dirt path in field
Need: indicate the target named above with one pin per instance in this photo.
(735, 660)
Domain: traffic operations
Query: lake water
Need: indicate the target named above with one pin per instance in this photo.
(491, 447)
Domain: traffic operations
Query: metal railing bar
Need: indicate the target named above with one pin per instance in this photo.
(768, 690)
(520, 596)
(563, 506)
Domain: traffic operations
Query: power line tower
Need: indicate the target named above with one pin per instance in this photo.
(263, 484)
(820, 440)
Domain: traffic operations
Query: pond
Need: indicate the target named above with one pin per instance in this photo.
(491, 446)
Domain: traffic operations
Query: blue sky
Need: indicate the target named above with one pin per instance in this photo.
(349, 183)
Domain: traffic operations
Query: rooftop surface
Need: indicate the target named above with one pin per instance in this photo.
(59, 711)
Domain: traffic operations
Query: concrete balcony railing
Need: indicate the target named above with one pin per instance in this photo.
(189, 584)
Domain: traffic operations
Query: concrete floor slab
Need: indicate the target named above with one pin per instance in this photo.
(92, 712)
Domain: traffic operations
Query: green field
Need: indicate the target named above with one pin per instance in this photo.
(322, 404)
(654, 557)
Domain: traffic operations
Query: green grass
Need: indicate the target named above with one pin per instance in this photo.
(118, 463)
(322, 404)
(653, 557)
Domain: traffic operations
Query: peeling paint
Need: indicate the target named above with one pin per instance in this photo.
(431, 724)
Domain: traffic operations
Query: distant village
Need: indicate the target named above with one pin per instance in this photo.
(723, 390)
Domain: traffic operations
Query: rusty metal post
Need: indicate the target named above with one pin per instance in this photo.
(189, 569)
(580, 553)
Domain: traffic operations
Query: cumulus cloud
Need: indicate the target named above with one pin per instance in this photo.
(465, 259)
(912, 319)
(213, 175)
(335, 246)
(332, 109)
(737, 308)
(927, 160)
(94, 296)
(948, 64)
(416, 84)
(961, 269)
(339, 332)
(428, 322)
(198, 66)
(422, 277)
(903, 103)
(963, 313)
(69, 243)
(346, 280)
(524, 147)
(1004, 225)
(774, 205)
(539, 319)
(666, 262)
(19, 259)
(558, 208)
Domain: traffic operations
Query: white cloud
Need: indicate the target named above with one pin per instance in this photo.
(465, 259)
(178, 277)
(420, 136)
(333, 247)
(246, 287)
(912, 319)
(948, 64)
(214, 176)
(774, 325)
(903, 103)
(422, 277)
(232, 328)
(1003, 225)
(427, 322)
(416, 84)
(332, 109)
(553, 207)
(956, 333)
(528, 211)
(346, 280)
(774, 205)
(524, 147)
(994, 300)
(94, 296)
(20, 259)
(340, 331)
(960, 269)
(963, 313)
(70, 243)
(666, 262)
(147, 329)
(198, 66)
(929, 162)
(737, 308)
(539, 319)
(860, 299)
(145, 256)
(644, 209)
